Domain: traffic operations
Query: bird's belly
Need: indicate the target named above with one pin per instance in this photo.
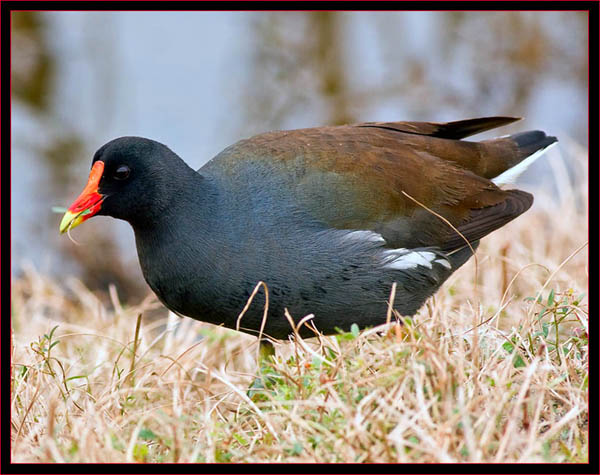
(336, 299)
(340, 282)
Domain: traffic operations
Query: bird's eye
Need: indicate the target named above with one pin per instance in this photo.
(122, 172)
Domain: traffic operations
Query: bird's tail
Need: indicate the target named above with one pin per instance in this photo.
(529, 147)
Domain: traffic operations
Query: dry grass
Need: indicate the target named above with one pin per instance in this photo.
(481, 374)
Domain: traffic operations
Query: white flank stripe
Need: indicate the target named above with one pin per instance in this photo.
(409, 260)
(443, 262)
(364, 236)
(511, 174)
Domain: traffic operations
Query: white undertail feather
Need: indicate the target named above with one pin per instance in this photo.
(510, 175)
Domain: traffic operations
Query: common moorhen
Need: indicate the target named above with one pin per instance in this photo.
(327, 217)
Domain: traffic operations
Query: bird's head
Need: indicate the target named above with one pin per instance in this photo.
(131, 179)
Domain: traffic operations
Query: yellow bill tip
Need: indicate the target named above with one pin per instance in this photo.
(70, 221)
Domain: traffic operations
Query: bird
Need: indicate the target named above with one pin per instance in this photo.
(327, 218)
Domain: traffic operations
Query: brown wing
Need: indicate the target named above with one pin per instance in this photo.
(448, 130)
(357, 177)
(482, 221)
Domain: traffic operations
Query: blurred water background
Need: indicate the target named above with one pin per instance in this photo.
(199, 81)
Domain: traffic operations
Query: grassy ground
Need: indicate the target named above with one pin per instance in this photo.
(492, 369)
